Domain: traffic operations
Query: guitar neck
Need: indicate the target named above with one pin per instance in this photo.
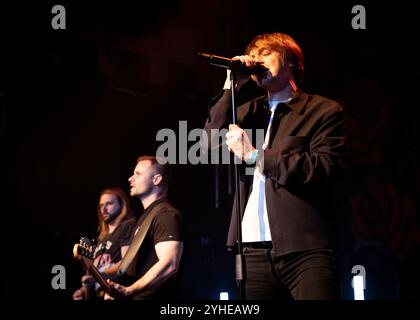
(97, 275)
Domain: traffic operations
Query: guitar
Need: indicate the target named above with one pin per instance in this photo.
(84, 251)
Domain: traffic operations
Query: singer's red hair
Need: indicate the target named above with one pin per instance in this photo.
(289, 50)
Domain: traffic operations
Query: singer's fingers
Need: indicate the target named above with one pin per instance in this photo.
(231, 133)
(229, 141)
(234, 142)
(241, 58)
(235, 131)
(234, 135)
(249, 62)
(234, 127)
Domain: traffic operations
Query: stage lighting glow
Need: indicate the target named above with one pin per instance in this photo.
(224, 295)
(359, 293)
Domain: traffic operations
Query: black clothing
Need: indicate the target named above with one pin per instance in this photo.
(305, 152)
(109, 248)
(306, 149)
(290, 276)
(167, 225)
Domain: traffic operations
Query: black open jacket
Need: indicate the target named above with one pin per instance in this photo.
(306, 153)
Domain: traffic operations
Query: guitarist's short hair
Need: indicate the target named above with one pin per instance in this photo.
(160, 165)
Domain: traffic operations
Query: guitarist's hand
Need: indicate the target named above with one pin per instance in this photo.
(108, 297)
(117, 291)
(88, 281)
(81, 294)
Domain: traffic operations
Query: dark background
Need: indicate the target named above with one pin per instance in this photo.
(78, 106)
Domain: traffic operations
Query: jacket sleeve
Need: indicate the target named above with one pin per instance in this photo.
(303, 160)
(219, 116)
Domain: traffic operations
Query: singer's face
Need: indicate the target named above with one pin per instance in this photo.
(278, 75)
(141, 182)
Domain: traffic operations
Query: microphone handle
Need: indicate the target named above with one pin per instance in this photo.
(243, 68)
(235, 65)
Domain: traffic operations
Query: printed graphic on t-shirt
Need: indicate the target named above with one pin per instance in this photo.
(103, 247)
(103, 261)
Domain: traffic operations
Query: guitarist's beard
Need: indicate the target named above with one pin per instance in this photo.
(108, 218)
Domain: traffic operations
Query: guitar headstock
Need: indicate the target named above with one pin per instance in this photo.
(85, 252)
(84, 248)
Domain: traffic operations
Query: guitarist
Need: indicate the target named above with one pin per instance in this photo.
(159, 256)
(116, 226)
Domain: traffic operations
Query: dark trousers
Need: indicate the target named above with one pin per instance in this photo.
(306, 275)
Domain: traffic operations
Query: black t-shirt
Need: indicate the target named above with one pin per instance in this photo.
(108, 250)
(167, 225)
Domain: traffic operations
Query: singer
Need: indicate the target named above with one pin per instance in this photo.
(287, 224)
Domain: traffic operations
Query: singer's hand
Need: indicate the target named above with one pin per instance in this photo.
(238, 142)
(241, 78)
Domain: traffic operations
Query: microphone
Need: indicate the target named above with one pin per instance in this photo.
(235, 65)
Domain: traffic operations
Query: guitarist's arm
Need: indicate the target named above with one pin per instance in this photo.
(169, 255)
(110, 270)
